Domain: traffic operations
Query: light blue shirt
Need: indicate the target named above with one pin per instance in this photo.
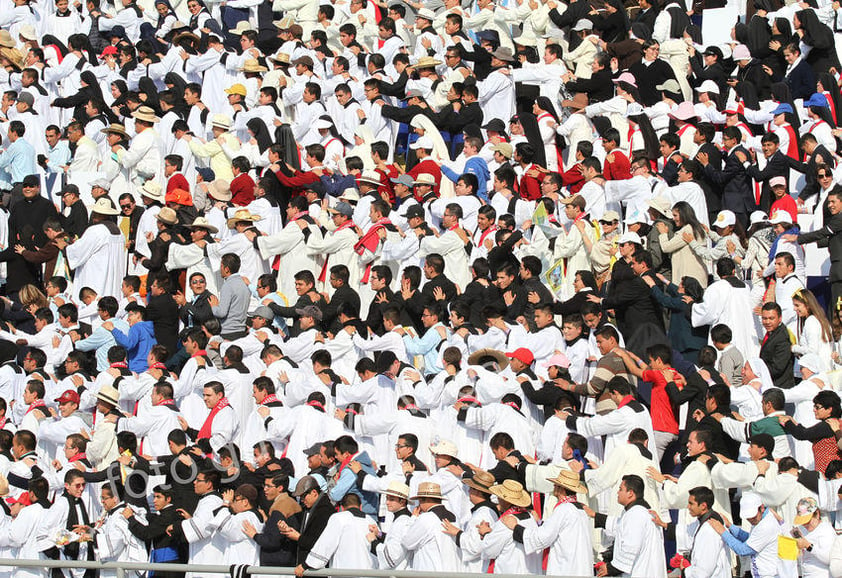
(102, 341)
(18, 160)
(428, 346)
(58, 157)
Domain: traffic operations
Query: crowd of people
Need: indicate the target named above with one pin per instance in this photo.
(519, 287)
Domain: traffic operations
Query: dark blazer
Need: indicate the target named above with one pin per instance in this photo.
(446, 285)
(829, 236)
(809, 168)
(776, 351)
(713, 192)
(737, 195)
(801, 81)
(715, 72)
(315, 522)
(635, 306)
(776, 166)
(331, 311)
(648, 77)
(598, 87)
(162, 311)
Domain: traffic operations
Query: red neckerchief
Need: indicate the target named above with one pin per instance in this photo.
(347, 224)
(34, 404)
(77, 457)
(269, 399)
(3, 422)
(205, 432)
(469, 399)
(346, 461)
(565, 500)
(485, 233)
(158, 365)
(202, 352)
(317, 404)
(166, 402)
(120, 365)
(511, 404)
(454, 227)
(684, 128)
(407, 406)
(625, 401)
(512, 511)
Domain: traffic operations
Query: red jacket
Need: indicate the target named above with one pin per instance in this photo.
(529, 187)
(619, 169)
(242, 190)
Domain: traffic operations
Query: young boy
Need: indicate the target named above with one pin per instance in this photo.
(575, 347)
(731, 360)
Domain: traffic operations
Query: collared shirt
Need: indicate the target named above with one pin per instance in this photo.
(58, 157)
(18, 160)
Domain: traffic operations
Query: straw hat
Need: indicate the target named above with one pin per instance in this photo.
(220, 189)
(512, 492)
(350, 194)
(578, 102)
(109, 395)
(284, 23)
(202, 223)
(570, 480)
(370, 177)
(13, 55)
(428, 490)
(115, 128)
(397, 489)
(27, 32)
(662, 205)
(481, 482)
(242, 26)
(425, 179)
(146, 114)
(103, 207)
(280, 57)
(425, 62)
(152, 190)
(167, 216)
(252, 65)
(187, 34)
(477, 357)
(6, 40)
(222, 121)
(242, 215)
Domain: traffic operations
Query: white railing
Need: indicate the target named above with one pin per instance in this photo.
(121, 567)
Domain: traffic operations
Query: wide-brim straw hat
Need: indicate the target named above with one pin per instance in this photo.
(145, 114)
(202, 223)
(108, 394)
(220, 189)
(167, 216)
(397, 489)
(103, 207)
(570, 480)
(428, 490)
(482, 481)
(242, 215)
(115, 128)
(477, 357)
(513, 493)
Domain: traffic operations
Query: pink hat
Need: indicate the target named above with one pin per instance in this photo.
(558, 359)
(777, 182)
(683, 111)
(626, 77)
(741, 52)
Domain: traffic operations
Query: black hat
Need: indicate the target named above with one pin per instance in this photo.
(415, 211)
(496, 125)
(763, 440)
(313, 450)
(305, 485)
(31, 181)
(713, 51)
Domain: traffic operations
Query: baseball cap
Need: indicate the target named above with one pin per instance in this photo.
(609, 217)
(313, 450)
(26, 98)
(264, 312)
(415, 211)
(522, 354)
(777, 182)
(629, 237)
(741, 52)
(68, 396)
(31, 181)
(413, 93)
(423, 142)
(783, 108)
(404, 180)
(343, 209)
(805, 509)
(495, 125)
(725, 219)
(749, 504)
(504, 149)
(310, 311)
(558, 359)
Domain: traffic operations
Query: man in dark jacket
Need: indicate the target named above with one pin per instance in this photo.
(317, 512)
(166, 547)
(775, 347)
(26, 228)
(276, 549)
(777, 165)
(162, 311)
(815, 154)
(599, 86)
(343, 293)
(76, 220)
(737, 195)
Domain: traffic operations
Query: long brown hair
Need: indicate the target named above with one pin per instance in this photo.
(806, 297)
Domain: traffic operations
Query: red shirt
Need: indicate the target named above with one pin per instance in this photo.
(242, 190)
(619, 169)
(573, 179)
(663, 418)
(386, 177)
(785, 203)
(529, 187)
(430, 167)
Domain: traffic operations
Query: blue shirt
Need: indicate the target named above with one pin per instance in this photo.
(18, 160)
(428, 346)
(102, 340)
(476, 166)
(58, 157)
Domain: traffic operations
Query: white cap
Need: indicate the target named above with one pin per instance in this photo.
(749, 504)
(708, 86)
(322, 123)
(583, 24)
(629, 237)
(781, 218)
(444, 448)
(635, 217)
(423, 142)
(758, 217)
(725, 219)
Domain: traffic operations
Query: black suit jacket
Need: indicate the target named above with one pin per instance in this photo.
(713, 193)
(828, 236)
(801, 81)
(315, 522)
(635, 306)
(776, 351)
(820, 155)
(162, 311)
(737, 195)
(776, 166)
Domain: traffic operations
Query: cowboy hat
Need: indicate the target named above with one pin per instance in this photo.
(202, 223)
(428, 490)
(242, 26)
(187, 34)
(103, 207)
(109, 395)
(13, 55)
(481, 482)
(167, 216)
(350, 194)
(115, 128)
(480, 356)
(242, 215)
(280, 57)
(570, 480)
(512, 492)
(662, 205)
(145, 114)
(152, 190)
(221, 121)
(6, 40)
(370, 177)
(578, 102)
(426, 62)
(220, 189)
(504, 53)
(425, 179)
(444, 448)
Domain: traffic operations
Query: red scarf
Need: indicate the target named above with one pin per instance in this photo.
(485, 233)
(34, 404)
(158, 365)
(120, 365)
(316, 404)
(205, 432)
(346, 461)
(369, 242)
(201, 352)
(565, 500)
(269, 399)
(625, 401)
(166, 402)
(77, 457)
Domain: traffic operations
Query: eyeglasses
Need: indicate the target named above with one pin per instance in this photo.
(399, 446)
(197, 282)
(825, 176)
(126, 206)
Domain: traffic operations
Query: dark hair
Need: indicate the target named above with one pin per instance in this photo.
(703, 495)
(634, 484)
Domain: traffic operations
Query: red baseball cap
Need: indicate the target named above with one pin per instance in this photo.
(68, 396)
(523, 355)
